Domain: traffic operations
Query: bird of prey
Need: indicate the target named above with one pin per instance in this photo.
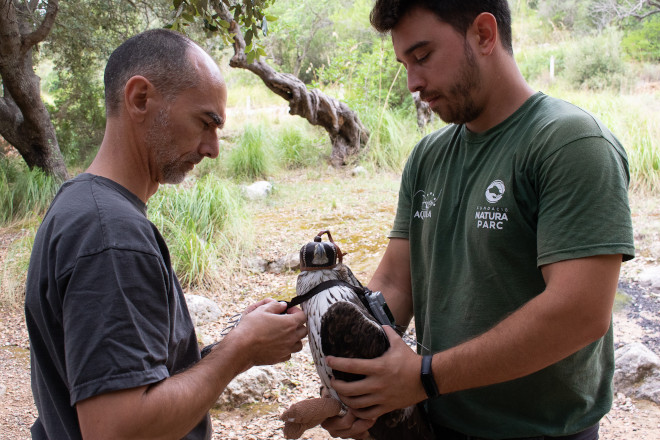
(340, 323)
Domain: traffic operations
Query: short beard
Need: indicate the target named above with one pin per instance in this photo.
(172, 168)
(461, 107)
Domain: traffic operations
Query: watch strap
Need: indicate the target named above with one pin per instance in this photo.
(428, 381)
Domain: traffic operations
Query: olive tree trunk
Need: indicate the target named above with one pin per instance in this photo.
(424, 112)
(24, 120)
(347, 133)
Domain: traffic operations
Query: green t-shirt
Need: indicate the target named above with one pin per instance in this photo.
(483, 212)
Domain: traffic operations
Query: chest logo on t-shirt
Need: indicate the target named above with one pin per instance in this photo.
(495, 191)
(428, 202)
(490, 216)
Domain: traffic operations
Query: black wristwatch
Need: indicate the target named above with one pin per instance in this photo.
(428, 381)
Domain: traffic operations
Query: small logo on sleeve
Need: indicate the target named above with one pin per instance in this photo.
(428, 202)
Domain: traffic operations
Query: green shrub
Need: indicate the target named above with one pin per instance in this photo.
(78, 114)
(14, 269)
(300, 146)
(366, 75)
(643, 44)
(393, 136)
(252, 156)
(23, 192)
(595, 62)
(534, 62)
(204, 225)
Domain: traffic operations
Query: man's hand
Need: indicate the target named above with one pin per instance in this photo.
(392, 381)
(266, 335)
(348, 426)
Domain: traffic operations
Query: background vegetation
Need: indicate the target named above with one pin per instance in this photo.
(564, 48)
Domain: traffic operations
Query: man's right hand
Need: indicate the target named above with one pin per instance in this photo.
(268, 336)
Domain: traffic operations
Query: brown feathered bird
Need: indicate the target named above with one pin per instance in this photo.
(340, 323)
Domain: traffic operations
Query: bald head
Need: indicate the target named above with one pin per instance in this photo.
(170, 61)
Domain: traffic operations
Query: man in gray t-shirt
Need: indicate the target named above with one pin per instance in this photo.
(113, 348)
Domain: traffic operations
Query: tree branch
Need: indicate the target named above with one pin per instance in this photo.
(608, 10)
(347, 133)
(40, 34)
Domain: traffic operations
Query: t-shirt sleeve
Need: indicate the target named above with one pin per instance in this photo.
(115, 317)
(583, 203)
(401, 227)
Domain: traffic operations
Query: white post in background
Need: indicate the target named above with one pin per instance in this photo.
(552, 67)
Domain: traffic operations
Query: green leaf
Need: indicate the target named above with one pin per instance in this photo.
(271, 17)
(261, 51)
(202, 5)
(223, 23)
(250, 57)
(188, 17)
(177, 3)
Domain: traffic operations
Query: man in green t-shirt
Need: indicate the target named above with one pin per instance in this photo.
(510, 231)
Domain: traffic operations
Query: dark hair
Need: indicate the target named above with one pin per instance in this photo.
(459, 14)
(159, 55)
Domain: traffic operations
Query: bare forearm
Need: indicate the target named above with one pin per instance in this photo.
(169, 409)
(392, 278)
(174, 406)
(514, 348)
(550, 327)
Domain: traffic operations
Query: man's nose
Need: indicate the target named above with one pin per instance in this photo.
(210, 146)
(415, 81)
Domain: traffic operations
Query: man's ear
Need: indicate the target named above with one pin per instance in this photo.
(137, 92)
(484, 29)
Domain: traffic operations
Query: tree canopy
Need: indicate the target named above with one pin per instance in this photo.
(322, 57)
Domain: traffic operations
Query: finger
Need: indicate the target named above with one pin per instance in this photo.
(338, 424)
(275, 307)
(302, 332)
(369, 413)
(294, 310)
(392, 335)
(348, 427)
(298, 315)
(350, 389)
(254, 306)
(361, 402)
(349, 365)
(298, 347)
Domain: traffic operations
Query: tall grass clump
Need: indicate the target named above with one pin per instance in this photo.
(300, 147)
(14, 269)
(393, 136)
(23, 192)
(205, 227)
(644, 158)
(252, 156)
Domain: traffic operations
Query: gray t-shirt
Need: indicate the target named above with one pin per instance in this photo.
(483, 213)
(104, 309)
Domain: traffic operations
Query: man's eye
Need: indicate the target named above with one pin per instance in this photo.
(422, 58)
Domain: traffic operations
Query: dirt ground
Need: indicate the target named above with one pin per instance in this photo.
(359, 212)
